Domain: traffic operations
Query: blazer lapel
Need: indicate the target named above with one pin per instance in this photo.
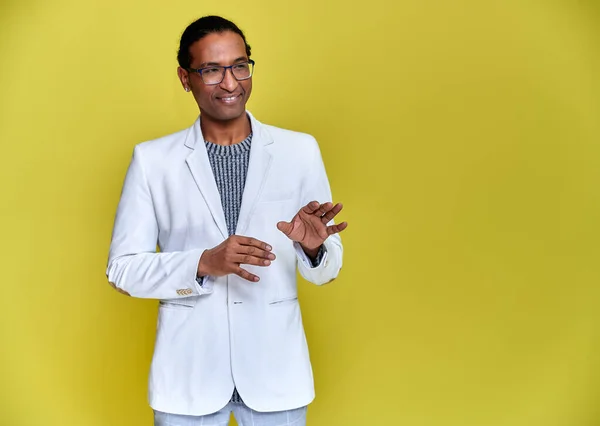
(201, 170)
(258, 171)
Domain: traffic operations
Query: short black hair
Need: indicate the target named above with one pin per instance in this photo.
(201, 28)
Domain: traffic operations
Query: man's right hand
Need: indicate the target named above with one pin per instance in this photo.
(227, 257)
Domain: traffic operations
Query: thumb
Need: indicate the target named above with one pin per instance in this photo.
(285, 227)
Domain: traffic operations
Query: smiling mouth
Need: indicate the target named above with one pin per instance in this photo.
(229, 99)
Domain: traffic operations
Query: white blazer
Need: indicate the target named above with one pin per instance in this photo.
(229, 332)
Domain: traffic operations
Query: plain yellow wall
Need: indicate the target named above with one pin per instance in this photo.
(461, 135)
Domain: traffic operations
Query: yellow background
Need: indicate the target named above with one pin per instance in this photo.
(461, 135)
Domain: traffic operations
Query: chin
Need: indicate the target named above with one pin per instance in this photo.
(229, 115)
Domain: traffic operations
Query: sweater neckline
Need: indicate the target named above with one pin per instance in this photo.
(229, 150)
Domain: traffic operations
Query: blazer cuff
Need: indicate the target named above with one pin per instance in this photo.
(319, 260)
(204, 285)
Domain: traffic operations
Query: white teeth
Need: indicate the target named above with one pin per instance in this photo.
(229, 99)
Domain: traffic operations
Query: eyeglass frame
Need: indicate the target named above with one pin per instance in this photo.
(225, 68)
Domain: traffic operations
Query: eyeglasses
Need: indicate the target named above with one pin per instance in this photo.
(215, 74)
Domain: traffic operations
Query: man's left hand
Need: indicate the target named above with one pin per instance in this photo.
(309, 226)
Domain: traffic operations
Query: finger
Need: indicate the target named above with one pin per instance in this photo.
(332, 213)
(253, 242)
(247, 259)
(254, 251)
(323, 209)
(311, 207)
(246, 275)
(285, 227)
(334, 229)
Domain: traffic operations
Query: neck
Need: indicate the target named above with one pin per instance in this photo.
(225, 132)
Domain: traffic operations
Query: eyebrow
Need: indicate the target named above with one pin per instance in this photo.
(210, 64)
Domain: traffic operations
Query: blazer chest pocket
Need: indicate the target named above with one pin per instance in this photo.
(277, 196)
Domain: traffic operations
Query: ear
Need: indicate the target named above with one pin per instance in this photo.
(184, 77)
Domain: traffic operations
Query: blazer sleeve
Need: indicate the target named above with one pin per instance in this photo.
(316, 188)
(134, 267)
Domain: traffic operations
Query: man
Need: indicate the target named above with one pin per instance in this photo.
(234, 206)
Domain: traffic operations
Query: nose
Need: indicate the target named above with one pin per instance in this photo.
(229, 82)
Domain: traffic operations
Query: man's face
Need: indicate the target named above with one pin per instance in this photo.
(227, 100)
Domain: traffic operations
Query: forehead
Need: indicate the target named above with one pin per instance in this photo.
(222, 48)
